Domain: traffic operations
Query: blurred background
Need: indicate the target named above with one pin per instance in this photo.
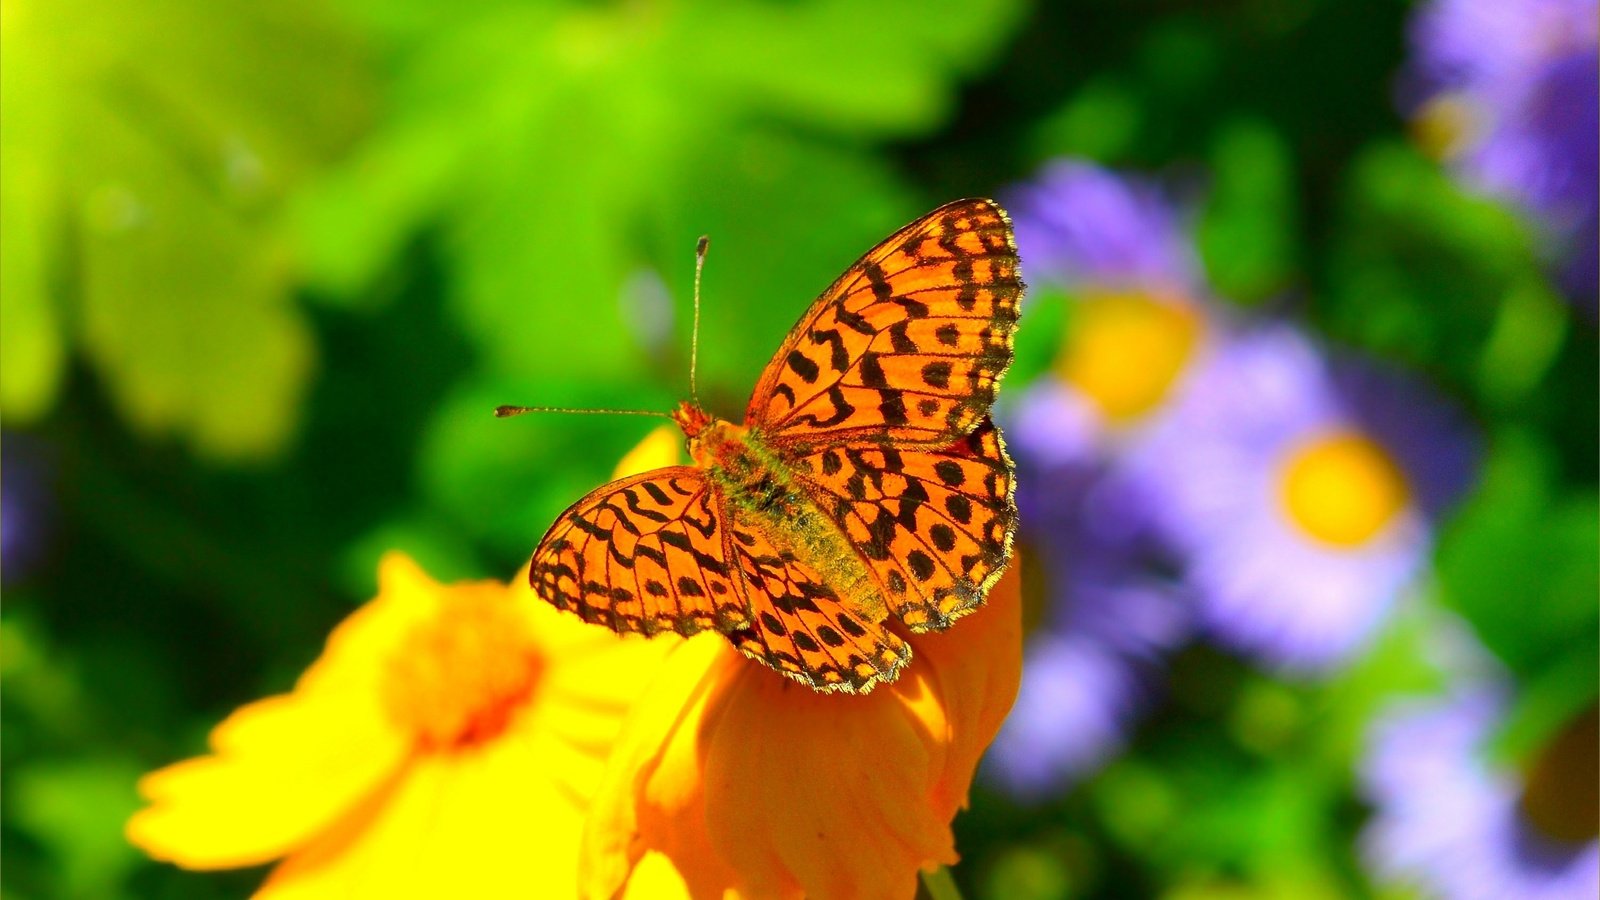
(1304, 404)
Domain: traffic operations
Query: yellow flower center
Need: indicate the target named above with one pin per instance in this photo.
(1561, 796)
(1342, 489)
(459, 677)
(1125, 351)
(1445, 126)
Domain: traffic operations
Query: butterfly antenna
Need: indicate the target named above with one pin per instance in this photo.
(700, 248)
(506, 412)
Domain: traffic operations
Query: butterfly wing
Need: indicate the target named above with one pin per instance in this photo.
(802, 628)
(643, 554)
(907, 346)
(934, 526)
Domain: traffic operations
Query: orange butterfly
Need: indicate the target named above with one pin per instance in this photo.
(866, 485)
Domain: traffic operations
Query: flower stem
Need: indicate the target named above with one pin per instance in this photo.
(938, 885)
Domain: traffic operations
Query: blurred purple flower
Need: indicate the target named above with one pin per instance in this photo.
(1515, 82)
(1140, 319)
(23, 505)
(1092, 667)
(1301, 494)
(1451, 823)
(1121, 250)
(1079, 224)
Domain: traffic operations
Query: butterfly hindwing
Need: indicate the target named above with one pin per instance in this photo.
(934, 526)
(908, 345)
(643, 554)
(800, 626)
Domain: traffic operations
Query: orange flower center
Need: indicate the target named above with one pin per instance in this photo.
(1125, 351)
(1342, 489)
(459, 677)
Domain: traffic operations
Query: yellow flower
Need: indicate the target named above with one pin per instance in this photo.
(731, 779)
(446, 743)
(450, 739)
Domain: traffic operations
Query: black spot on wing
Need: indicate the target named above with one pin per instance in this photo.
(881, 289)
(838, 357)
(893, 407)
(921, 564)
(872, 374)
(949, 472)
(801, 365)
(850, 626)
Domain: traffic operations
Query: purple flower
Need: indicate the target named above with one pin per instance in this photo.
(1301, 494)
(1092, 667)
(1120, 249)
(24, 513)
(1081, 225)
(1447, 820)
(1516, 80)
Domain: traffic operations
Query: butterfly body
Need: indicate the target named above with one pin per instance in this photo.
(866, 494)
(761, 493)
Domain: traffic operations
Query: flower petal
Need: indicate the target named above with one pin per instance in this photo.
(358, 651)
(285, 769)
(655, 878)
(486, 823)
(977, 668)
(662, 447)
(752, 784)
(635, 799)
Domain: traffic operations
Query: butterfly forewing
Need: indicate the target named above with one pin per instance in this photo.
(907, 346)
(643, 554)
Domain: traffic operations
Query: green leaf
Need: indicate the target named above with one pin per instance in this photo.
(1048, 313)
(1421, 271)
(1521, 561)
(76, 808)
(1100, 122)
(1546, 703)
(1248, 229)
(149, 149)
(830, 62)
(32, 347)
(550, 145)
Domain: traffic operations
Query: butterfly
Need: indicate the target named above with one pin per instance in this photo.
(866, 493)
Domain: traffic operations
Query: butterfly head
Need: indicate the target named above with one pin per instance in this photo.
(692, 419)
(711, 441)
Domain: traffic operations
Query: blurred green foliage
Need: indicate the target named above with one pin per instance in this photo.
(267, 269)
(149, 151)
